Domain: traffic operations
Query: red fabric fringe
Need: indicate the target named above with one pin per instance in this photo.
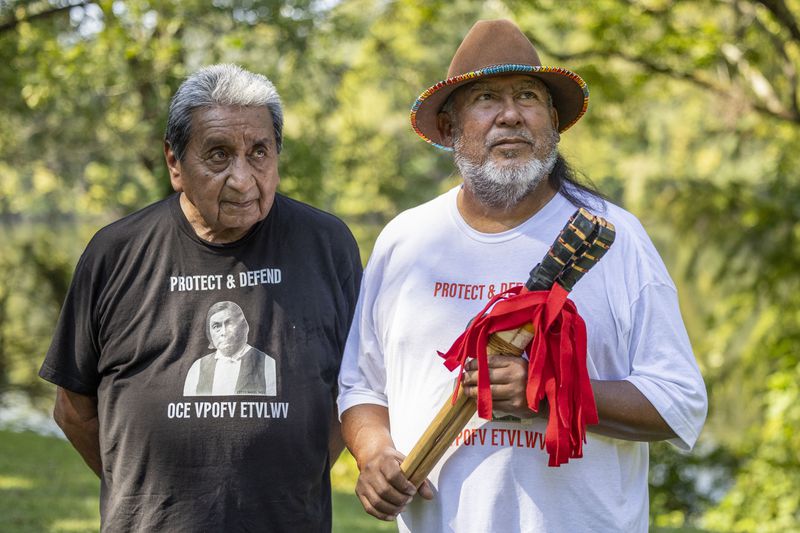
(556, 366)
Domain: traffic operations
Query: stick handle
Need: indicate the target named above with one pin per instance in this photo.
(452, 417)
(456, 422)
(434, 433)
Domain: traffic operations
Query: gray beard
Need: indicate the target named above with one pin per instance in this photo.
(503, 188)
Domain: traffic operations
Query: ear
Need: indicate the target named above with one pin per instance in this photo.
(445, 127)
(554, 117)
(174, 167)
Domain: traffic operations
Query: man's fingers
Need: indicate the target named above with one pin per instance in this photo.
(426, 490)
(499, 380)
(496, 361)
(399, 481)
(372, 510)
(391, 494)
(470, 392)
(495, 377)
(503, 369)
(382, 498)
(508, 379)
(386, 507)
(394, 476)
(382, 488)
(499, 391)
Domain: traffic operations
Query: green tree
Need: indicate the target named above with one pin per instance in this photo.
(693, 125)
(696, 119)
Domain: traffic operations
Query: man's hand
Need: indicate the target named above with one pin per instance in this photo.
(508, 376)
(382, 488)
(624, 412)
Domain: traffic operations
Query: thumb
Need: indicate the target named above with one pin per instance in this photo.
(426, 490)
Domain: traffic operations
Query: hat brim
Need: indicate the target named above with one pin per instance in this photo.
(569, 92)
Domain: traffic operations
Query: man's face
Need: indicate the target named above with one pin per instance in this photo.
(504, 135)
(229, 172)
(228, 331)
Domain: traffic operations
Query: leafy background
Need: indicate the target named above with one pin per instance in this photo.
(693, 126)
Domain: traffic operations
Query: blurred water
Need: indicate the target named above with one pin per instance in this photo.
(17, 413)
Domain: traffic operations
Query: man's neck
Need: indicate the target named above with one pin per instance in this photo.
(485, 219)
(203, 230)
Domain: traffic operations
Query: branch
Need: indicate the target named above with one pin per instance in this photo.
(783, 16)
(770, 110)
(758, 82)
(788, 65)
(14, 22)
(647, 64)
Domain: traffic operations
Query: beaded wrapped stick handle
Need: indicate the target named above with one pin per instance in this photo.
(582, 242)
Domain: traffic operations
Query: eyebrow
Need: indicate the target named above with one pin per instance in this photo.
(215, 140)
(222, 140)
(265, 141)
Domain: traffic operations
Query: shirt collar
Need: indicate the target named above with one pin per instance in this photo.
(235, 357)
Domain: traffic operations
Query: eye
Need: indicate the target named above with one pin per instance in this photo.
(485, 96)
(528, 95)
(218, 155)
(260, 152)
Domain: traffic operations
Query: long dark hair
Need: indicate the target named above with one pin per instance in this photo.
(578, 190)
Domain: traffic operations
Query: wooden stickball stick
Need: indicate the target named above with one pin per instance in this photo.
(582, 242)
(452, 417)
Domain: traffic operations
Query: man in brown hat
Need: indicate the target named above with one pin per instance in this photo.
(501, 113)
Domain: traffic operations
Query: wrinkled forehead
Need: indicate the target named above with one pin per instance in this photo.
(515, 82)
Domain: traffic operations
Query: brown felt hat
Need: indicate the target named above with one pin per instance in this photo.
(497, 48)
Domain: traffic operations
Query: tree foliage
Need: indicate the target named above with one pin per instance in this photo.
(693, 124)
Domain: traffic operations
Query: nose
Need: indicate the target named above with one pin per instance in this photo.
(241, 178)
(224, 330)
(509, 113)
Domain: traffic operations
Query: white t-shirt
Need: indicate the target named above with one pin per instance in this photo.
(428, 275)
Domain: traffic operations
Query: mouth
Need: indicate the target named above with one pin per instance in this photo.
(513, 143)
(241, 204)
(225, 343)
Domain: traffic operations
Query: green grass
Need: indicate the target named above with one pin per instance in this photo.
(45, 487)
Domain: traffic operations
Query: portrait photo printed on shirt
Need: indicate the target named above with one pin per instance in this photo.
(232, 366)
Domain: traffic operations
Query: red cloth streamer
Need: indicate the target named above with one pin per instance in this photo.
(556, 365)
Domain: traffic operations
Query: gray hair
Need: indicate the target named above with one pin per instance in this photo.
(220, 85)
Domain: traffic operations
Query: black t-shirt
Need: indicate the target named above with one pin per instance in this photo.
(240, 442)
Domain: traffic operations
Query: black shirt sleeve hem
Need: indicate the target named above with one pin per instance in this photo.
(48, 373)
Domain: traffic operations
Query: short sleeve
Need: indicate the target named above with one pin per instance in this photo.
(350, 285)
(72, 359)
(663, 366)
(362, 378)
